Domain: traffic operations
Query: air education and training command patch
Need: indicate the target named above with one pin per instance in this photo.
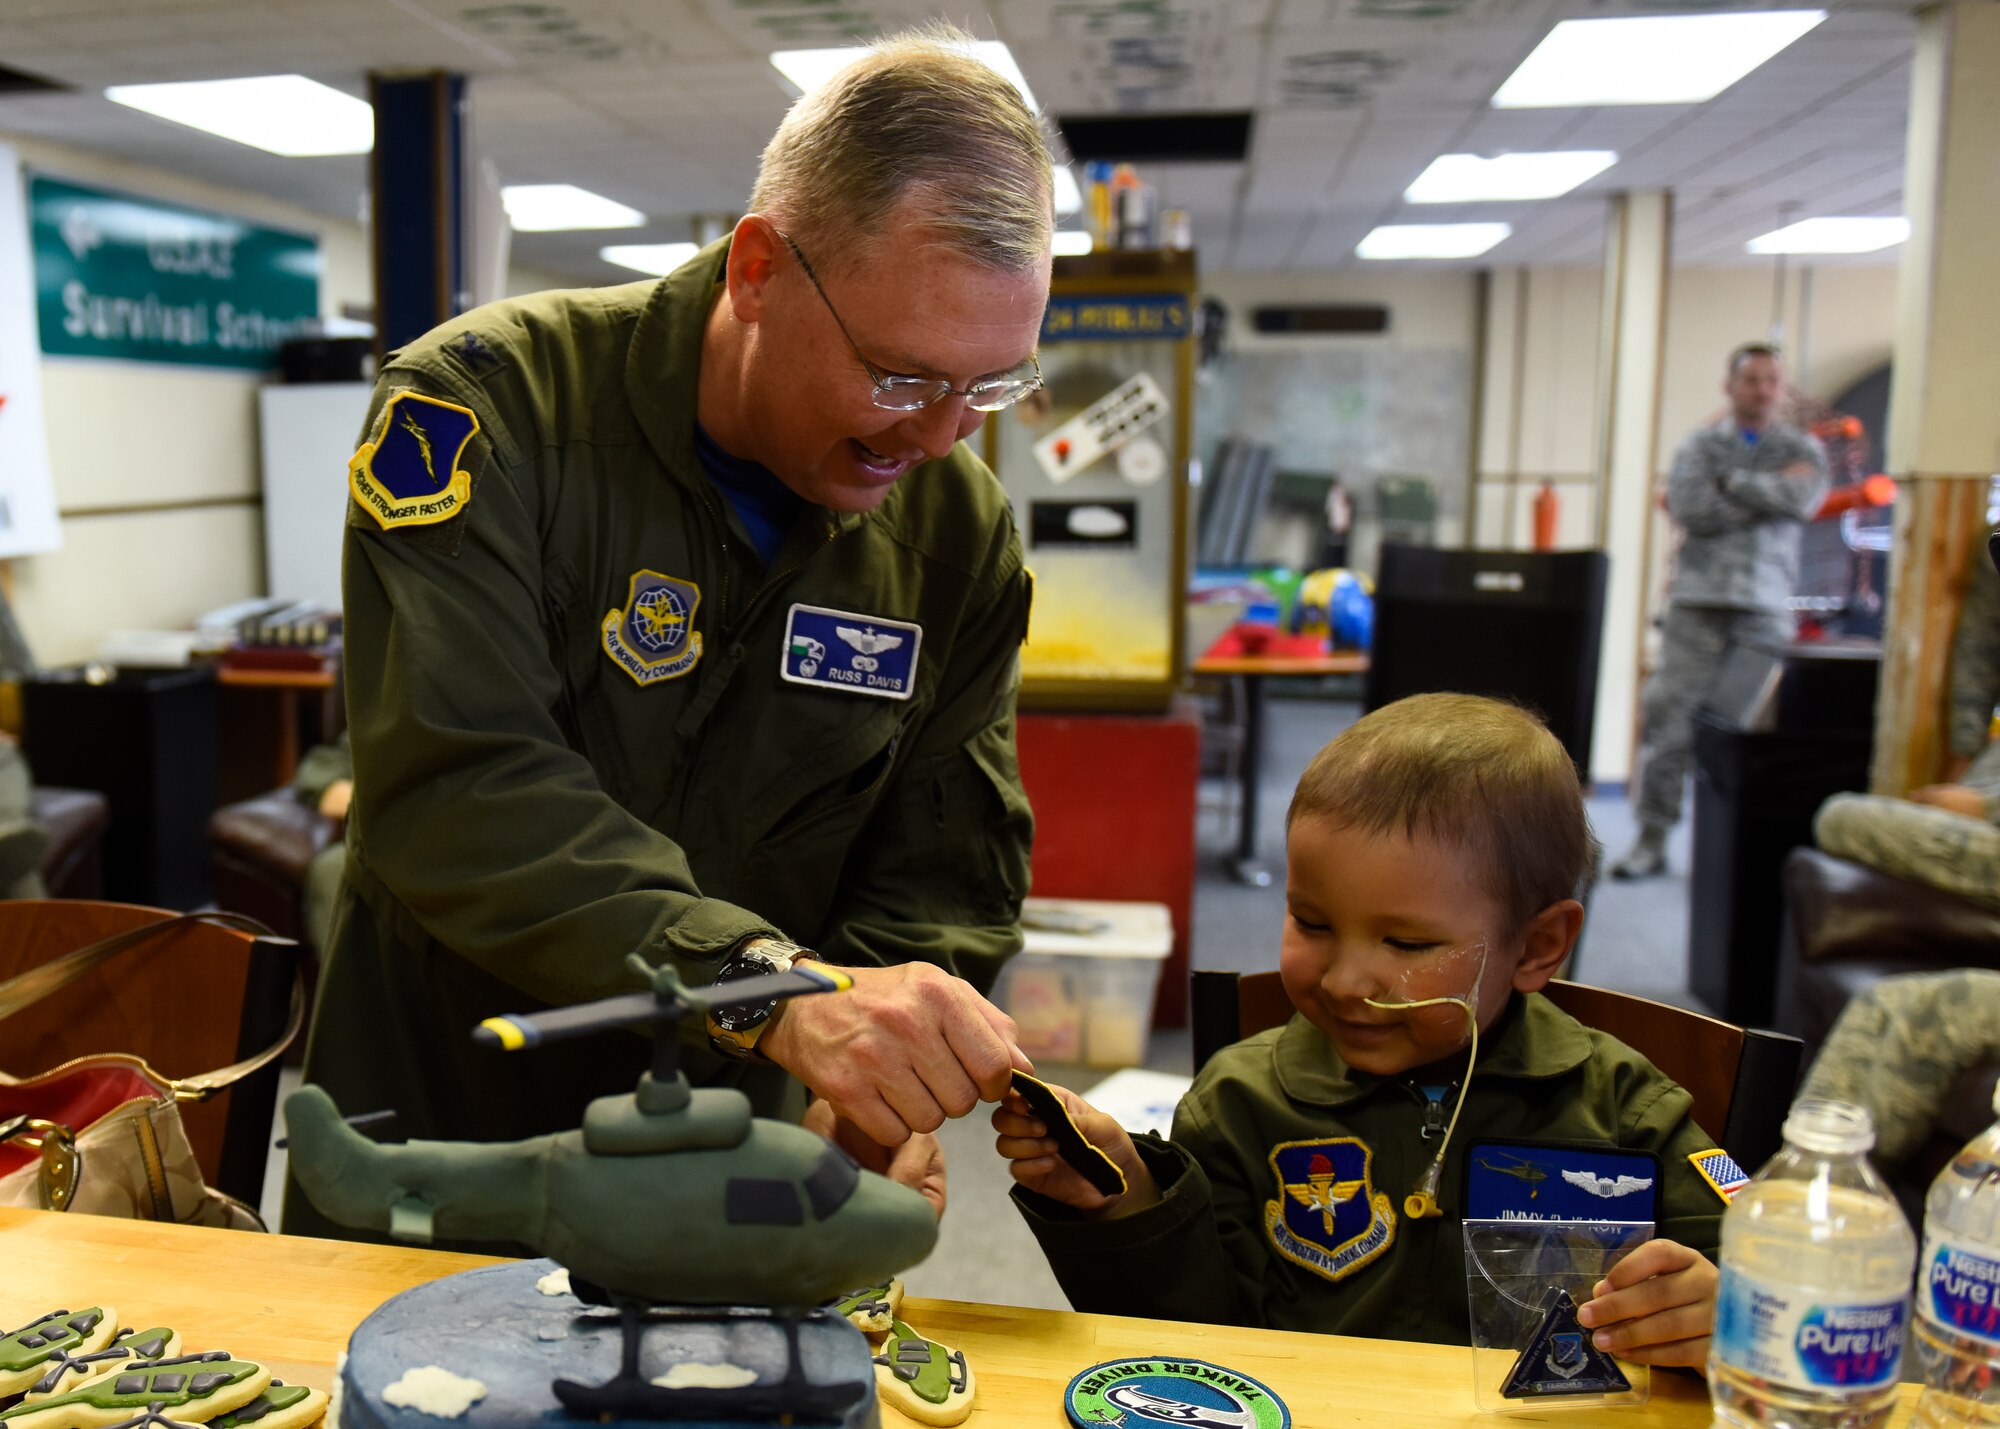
(409, 475)
(652, 638)
(1191, 1393)
(1328, 1216)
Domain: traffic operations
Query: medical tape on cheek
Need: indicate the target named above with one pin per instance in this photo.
(1422, 1202)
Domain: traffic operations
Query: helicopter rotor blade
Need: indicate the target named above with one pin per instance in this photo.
(768, 987)
(515, 1031)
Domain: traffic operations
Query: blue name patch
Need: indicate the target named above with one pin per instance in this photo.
(860, 654)
(1528, 1181)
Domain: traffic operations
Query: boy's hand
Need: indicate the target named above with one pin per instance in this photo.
(918, 1163)
(1025, 1141)
(1656, 1306)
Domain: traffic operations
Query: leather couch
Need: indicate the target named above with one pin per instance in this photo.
(1846, 927)
(75, 820)
(259, 851)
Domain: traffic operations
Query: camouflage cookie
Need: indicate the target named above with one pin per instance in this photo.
(872, 1309)
(68, 1370)
(927, 1381)
(187, 1389)
(25, 1355)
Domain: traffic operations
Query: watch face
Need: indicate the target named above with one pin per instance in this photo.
(743, 1018)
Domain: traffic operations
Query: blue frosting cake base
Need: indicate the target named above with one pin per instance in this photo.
(494, 1326)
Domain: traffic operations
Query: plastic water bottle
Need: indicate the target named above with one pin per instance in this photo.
(1958, 1289)
(1815, 1293)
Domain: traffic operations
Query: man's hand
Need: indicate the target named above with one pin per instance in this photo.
(333, 803)
(1954, 798)
(900, 1051)
(918, 1163)
(1024, 1140)
(1656, 1306)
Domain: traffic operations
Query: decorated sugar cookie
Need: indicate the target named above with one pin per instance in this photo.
(282, 1406)
(188, 1389)
(926, 1380)
(25, 1355)
(66, 1370)
(873, 1308)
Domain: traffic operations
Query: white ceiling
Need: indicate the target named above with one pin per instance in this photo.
(665, 105)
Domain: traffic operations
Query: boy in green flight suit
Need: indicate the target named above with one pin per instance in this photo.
(1434, 851)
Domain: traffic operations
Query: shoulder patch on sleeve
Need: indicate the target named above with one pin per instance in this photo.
(1720, 1170)
(408, 473)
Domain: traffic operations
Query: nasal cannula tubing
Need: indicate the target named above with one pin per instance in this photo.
(1422, 1203)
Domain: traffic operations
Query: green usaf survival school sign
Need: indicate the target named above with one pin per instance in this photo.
(117, 275)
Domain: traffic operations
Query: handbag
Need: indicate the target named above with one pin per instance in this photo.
(102, 1135)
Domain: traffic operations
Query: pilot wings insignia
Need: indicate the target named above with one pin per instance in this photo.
(1610, 1188)
(868, 642)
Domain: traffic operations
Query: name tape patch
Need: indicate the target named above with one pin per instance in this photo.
(857, 654)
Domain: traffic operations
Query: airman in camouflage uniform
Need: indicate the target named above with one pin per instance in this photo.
(1898, 1047)
(1975, 660)
(1739, 491)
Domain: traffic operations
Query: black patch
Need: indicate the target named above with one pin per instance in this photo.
(130, 1384)
(203, 1384)
(758, 1201)
(831, 1182)
(86, 1322)
(150, 1349)
(1071, 1145)
(172, 1381)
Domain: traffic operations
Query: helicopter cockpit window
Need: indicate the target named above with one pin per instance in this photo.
(761, 1201)
(831, 1181)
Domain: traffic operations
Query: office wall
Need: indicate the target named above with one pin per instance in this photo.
(156, 467)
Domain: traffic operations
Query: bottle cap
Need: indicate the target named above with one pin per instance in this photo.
(1835, 1128)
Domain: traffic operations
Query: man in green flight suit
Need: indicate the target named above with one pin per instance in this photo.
(680, 621)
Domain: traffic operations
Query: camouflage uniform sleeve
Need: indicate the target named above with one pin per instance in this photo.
(1186, 1258)
(1975, 658)
(940, 871)
(323, 766)
(1695, 495)
(471, 808)
(1773, 496)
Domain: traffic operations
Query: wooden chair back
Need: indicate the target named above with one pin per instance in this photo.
(196, 999)
(1741, 1079)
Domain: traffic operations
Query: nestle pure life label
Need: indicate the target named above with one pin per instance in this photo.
(1958, 1287)
(1788, 1337)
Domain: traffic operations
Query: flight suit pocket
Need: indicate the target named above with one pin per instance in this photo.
(976, 827)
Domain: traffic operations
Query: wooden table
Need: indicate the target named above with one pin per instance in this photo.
(1253, 670)
(292, 1303)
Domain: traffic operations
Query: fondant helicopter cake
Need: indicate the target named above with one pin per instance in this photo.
(698, 1240)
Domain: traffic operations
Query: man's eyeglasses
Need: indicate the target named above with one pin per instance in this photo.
(897, 393)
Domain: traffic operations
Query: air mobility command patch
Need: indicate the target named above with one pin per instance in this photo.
(409, 474)
(1328, 1216)
(652, 637)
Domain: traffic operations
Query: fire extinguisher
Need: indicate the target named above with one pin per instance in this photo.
(1548, 507)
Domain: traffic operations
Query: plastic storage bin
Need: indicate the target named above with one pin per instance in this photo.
(1082, 988)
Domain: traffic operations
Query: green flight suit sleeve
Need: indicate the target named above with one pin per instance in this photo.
(1659, 1117)
(471, 809)
(939, 872)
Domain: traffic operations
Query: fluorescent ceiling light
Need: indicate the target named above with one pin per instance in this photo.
(1468, 178)
(1834, 235)
(809, 69)
(544, 208)
(1069, 198)
(656, 258)
(279, 113)
(1432, 240)
(1648, 59)
(1070, 242)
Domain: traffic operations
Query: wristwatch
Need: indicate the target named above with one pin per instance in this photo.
(733, 1031)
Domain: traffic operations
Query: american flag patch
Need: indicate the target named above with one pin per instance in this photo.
(1722, 1173)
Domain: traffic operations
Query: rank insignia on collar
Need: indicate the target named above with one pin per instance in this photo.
(652, 637)
(409, 474)
(1328, 1216)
